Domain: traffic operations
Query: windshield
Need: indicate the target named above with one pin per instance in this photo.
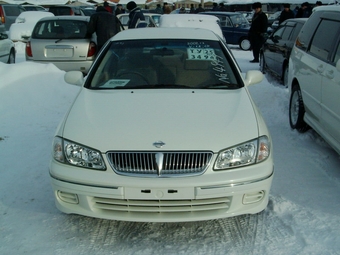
(142, 64)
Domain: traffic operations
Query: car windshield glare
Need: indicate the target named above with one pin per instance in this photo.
(60, 29)
(162, 63)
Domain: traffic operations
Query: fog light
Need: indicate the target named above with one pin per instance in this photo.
(251, 198)
(68, 197)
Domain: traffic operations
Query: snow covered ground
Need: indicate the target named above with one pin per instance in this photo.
(302, 216)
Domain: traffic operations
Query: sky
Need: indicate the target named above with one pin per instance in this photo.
(302, 216)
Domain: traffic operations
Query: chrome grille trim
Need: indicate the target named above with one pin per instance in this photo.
(159, 164)
(161, 206)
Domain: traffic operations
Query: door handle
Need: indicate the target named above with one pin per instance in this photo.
(330, 74)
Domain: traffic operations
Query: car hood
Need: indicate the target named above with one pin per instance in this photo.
(182, 119)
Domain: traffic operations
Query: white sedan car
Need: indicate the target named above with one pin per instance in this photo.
(162, 130)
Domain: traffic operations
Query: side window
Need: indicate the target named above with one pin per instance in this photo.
(307, 30)
(296, 31)
(321, 47)
(278, 33)
(228, 22)
(337, 54)
(287, 32)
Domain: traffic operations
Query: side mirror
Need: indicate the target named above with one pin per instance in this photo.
(74, 78)
(253, 77)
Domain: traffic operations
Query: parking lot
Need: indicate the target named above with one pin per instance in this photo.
(302, 216)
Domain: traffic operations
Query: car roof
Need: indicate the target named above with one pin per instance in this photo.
(166, 33)
(299, 20)
(327, 8)
(209, 22)
(66, 17)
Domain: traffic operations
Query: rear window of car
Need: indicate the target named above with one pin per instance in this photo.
(12, 10)
(164, 64)
(60, 29)
(64, 10)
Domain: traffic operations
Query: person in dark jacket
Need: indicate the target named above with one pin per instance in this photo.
(257, 31)
(287, 13)
(199, 9)
(305, 11)
(135, 14)
(104, 24)
(108, 7)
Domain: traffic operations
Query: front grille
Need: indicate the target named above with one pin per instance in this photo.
(111, 205)
(161, 164)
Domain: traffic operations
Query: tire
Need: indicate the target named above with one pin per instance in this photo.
(244, 44)
(11, 58)
(297, 111)
(262, 64)
(285, 76)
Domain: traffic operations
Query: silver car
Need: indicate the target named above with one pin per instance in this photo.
(63, 41)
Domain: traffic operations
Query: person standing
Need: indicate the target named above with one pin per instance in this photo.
(104, 24)
(108, 7)
(199, 9)
(215, 7)
(192, 9)
(287, 13)
(257, 31)
(119, 9)
(159, 9)
(135, 15)
(305, 11)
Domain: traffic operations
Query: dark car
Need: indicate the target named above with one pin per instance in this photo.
(235, 28)
(274, 55)
(8, 14)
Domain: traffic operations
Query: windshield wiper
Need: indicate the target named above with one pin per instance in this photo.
(220, 86)
(156, 86)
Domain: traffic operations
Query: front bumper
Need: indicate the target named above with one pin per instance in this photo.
(210, 196)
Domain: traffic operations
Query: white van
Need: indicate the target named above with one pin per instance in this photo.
(192, 20)
(314, 75)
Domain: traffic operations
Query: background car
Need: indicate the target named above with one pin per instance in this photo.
(60, 10)
(274, 55)
(22, 28)
(139, 142)
(152, 19)
(235, 28)
(177, 11)
(314, 75)
(7, 49)
(273, 17)
(63, 41)
(8, 14)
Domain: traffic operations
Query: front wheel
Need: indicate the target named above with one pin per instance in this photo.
(297, 111)
(244, 44)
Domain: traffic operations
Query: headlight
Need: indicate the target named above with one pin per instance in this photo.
(251, 152)
(75, 154)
